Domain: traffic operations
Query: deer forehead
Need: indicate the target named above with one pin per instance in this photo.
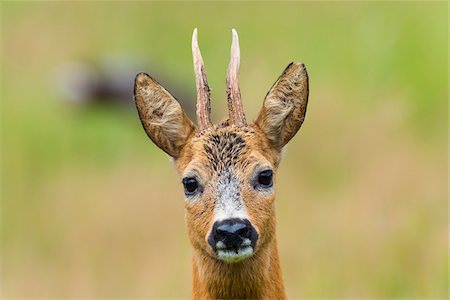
(222, 150)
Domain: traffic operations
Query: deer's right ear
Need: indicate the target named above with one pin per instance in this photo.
(161, 115)
(284, 107)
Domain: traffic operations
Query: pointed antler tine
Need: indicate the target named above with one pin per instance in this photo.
(203, 96)
(235, 108)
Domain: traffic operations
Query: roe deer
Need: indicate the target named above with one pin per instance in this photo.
(228, 172)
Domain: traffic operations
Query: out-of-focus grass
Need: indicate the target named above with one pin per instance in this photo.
(91, 208)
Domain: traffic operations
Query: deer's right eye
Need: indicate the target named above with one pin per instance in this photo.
(190, 186)
(265, 178)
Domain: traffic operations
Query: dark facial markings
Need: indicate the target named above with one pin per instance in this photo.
(223, 150)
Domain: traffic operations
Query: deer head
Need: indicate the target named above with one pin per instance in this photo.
(227, 169)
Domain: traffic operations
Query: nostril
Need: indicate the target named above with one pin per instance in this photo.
(244, 232)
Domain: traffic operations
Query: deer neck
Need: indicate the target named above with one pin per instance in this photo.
(258, 277)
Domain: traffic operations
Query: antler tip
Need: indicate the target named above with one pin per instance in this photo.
(234, 35)
(235, 52)
(194, 37)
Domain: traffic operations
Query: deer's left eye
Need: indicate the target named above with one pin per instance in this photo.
(265, 178)
(190, 185)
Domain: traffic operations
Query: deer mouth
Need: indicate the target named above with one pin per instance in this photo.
(235, 254)
(233, 240)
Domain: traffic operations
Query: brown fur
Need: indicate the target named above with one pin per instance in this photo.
(258, 277)
(239, 150)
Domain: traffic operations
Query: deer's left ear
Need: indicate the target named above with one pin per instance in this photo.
(284, 107)
(161, 115)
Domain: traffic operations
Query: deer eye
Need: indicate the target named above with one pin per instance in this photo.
(265, 178)
(190, 185)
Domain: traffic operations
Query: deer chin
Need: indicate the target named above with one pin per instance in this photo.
(235, 255)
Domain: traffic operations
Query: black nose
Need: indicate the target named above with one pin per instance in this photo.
(232, 233)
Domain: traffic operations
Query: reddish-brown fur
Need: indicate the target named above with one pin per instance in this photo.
(239, 150)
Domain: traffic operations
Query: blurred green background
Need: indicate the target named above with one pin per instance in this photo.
(91, 208)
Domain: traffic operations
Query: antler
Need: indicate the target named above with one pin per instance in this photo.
(236, 111)
(203, 96)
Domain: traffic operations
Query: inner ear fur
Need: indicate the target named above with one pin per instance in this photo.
(161, 115)
(284, 107)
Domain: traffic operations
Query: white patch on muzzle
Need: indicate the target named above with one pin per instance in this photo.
(229, 202)
(233, 256)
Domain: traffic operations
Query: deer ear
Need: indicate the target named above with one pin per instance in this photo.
(161, 115)
(284, 107)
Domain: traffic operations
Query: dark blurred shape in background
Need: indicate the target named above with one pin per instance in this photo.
(110, 81)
